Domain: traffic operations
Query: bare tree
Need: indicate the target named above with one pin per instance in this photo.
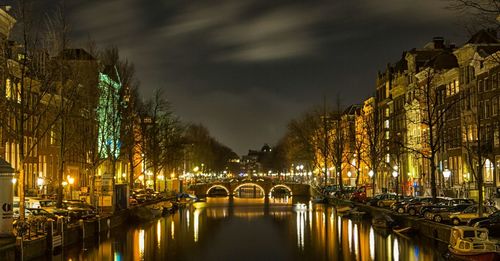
(305, 140)
(29, 81)
(374, 140)
(482, 13)
(433, 109)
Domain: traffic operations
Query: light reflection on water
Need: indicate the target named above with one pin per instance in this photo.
(252, 229)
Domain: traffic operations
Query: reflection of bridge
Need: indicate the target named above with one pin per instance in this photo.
(266, 185)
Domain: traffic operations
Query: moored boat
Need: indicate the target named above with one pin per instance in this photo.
(343, 209)
(472, 243)
(200, 203)
(156, 211)
(383, 221)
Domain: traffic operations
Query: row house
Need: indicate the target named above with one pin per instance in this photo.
(36, 91)
(439, 102)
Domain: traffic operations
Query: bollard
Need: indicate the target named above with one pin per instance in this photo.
(82, 225)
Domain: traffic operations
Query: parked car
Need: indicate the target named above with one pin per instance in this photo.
(359, 195)
(50, 206)
(79, 203)
(383, 200)
(79, 210)
(140, 195)
(399, 206)
(492, 223)
(413, 208)
(16, 213)
(132, 201)
(442, 214)
(444, 202)
(152, 194)
(470, 213)
(41, 212)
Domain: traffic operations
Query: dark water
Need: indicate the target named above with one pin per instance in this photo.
(253, 229)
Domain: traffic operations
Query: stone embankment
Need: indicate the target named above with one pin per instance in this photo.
(423, 227)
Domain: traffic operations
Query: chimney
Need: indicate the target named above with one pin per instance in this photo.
(438, 42)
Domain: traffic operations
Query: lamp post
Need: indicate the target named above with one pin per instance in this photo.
(349, 174)
(195, 173)
(39, 182)
(370, 174)
(467, 179)
(395, 174)
(446, 175)
(71, 181)
(64, 184)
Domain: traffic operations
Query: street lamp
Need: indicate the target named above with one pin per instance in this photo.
(64, 184)
(446, 174)
(370, 174)
(40, 182)
(349, 174)
(71, 180)
(467, 179)
(395, 175)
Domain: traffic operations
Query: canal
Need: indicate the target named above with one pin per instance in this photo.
(253, 229)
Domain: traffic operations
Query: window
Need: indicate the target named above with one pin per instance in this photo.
(496, 137)
(487, 85)
(487, 108)
(481, 110)
(494, 106)
(8, 89)
(494, 81)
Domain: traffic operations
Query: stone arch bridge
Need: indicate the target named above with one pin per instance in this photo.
(266, 185)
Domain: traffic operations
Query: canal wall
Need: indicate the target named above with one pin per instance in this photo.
(423, 227)
(7, 248)
(72, 234)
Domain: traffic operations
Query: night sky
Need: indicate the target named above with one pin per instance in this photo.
(244, 68)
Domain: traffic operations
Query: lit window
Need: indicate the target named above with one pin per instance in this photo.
(8, 89)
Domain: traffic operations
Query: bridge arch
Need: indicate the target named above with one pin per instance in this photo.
(280, 186)
(250, 184)
(218, 186)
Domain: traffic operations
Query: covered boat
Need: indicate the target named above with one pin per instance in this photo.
(472, 243)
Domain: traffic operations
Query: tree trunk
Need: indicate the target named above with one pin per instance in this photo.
(373, 183)
(113, 192)
(21, 186)
(131, 174)
(433, 179)
(92, 188)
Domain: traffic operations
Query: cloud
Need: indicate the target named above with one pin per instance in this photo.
(109, 22)
(245, 67)
(205, 15)
(276, 34)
